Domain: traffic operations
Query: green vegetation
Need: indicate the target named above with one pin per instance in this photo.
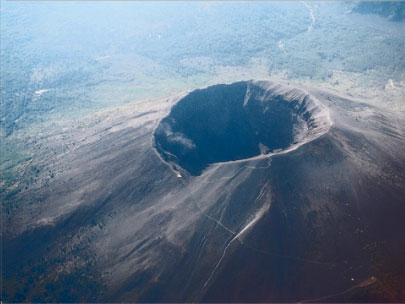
(71, 51)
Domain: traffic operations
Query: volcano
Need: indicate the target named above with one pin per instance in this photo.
(246, 192)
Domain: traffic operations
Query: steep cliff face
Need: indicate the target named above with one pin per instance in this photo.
(129, 220)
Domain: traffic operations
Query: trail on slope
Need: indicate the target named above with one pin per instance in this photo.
(237, 236)
(311, 12)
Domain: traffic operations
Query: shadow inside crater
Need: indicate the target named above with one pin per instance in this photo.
(232, 122)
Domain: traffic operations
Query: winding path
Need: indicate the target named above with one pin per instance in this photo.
(311, 12)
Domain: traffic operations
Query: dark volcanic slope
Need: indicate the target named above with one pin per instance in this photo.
(318, 221)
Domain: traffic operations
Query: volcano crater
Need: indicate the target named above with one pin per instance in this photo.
(239, 121)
